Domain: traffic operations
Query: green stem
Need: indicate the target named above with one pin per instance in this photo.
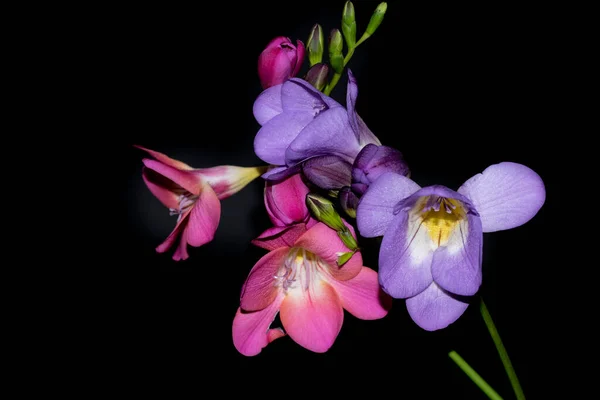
(510, 371)
(475, 377)
(336, 77)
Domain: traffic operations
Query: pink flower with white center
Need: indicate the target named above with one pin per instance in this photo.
(305, 285)
(193, 194)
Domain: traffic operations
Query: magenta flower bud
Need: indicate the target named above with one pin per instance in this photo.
(279, 61)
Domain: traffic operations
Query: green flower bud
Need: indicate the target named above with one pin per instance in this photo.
(376, 18)
(315, 45)
(322, 210)
(348, 239)
(349, 24)
(336, 45)
(317, 75)
(344, 257)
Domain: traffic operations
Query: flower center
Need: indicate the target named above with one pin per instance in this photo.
(440, 215)
(186, 201)
(298, 271)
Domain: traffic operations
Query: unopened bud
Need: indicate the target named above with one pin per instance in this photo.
(322, 210)
(349, 24)
(336, 45)
(315, 45)
(317, 76)
(376, 18)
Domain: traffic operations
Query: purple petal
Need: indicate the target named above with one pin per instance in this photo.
(327, 172)
(362, 133)
(348, 201)
(280, 173)
(329, 134)
(506, 195)
(434, 308)
(274, 137)
(268, 105)
(456, 267)
(373, 161)
(297, 95)
(405, 258)
(376, 207)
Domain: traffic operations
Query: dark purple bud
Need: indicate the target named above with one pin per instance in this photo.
(348, 201)
(328, 172)
(372, 162)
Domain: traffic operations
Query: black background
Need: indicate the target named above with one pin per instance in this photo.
(454, 89)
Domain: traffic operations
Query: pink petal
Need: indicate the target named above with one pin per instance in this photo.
(175, 234)
(204, 218)
(313, 318)
(286, 200)
(259, 290)
(186, 179)
(159, 189)
(324, 242)
(362, 296)
(226, 180)
(279, 236)
(165, 159)
(300, 51)
(181, 252)
(251, 331)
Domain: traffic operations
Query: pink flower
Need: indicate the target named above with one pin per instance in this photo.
(304, 284)
(285, 202)
(193, 195)
(279, 61)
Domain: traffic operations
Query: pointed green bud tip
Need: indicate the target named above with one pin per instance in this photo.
(376, 18)
(318, 75)
(344, 257)
(349, 24)
(315, 45)
(322, 210)
(336, 44)
(347, 238)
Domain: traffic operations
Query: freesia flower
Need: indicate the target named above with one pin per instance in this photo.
(285, 202)
(193, 194)
(300, 124)
(433, 236)
(279, 61)
(303, 283)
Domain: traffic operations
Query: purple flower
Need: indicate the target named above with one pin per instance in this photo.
(299, 123)
(372, 162)
(433, 236)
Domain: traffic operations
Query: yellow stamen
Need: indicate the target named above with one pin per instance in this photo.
(441, 223)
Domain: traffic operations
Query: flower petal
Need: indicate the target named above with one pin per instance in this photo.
(324, 242)
(161, 188)
(328, 134)
(434, 308)
(376, 207)
(373, 161)
(362, 133)
(362, 296)
(506, 195)
(251, 331)
(313, 318)
(297, 95)
(275, 136)
(456, 267)
(227, 180)
(279, 173)
(165, 159)
(259, 290)
(405, 258)
(328, 172)
(267, 105)
(181, 252)
(182, 221)
(285, 200)
(204, 218)
(279, 236)
(184, 178)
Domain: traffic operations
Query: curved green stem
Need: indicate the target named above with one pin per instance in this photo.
(510, 371)
(475, 377)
